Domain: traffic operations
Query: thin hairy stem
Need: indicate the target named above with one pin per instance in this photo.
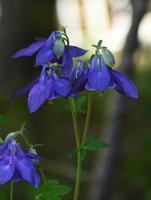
(11, 190)
(77, 138)
(87, 121)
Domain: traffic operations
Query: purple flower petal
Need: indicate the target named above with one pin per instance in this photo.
(61, 86)
(99, 76)
(28, 171)
(76, 51)
(123, 84)
(52, 38)
(111, 84)
(79, 85)
(2, 148)
(94, 65)
(44, 55)
(17, 176)
(67, 62)
(32, 156)
(26, 88)
(30, 50)
(6, 169)
(38, 95)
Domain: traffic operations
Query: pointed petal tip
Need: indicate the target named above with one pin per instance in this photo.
(134, 95)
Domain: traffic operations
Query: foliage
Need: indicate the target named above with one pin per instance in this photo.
(50, 190)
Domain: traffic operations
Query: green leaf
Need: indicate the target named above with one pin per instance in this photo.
(2, 119)
(74, 152)
(51, 190)
(3, 195)
(108, 57)
(58, 48)
(79, 104)
(93, 144)
(30, 191)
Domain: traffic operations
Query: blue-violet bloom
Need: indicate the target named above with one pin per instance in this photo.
(17, 164)
(102, 77)
(47, 53)
(46, 87)
(79, 77)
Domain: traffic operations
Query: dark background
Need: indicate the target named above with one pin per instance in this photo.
(123, 171)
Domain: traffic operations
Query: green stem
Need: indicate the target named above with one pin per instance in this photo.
(78, 176)
(42, 173)
(25, 140)
(87, 121)
(77, 138)
(11, 190)
(75, 122)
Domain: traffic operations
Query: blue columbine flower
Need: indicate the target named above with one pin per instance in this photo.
(102, 77)
(16, 164)
(53, 49)
(46, 87)
(49, 86)
(79, 76)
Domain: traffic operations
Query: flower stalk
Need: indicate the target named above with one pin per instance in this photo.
(87, 121)
(79, 143)
(11, 190)
(77, 138)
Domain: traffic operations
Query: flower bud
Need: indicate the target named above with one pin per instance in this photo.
(79, 68)
(58, 48)
(108, 57)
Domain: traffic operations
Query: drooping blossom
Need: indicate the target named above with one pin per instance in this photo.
(53, 49)
(17, 164)
(47, 86)
(101, 77)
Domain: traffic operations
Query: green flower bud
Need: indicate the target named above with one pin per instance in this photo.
(108, 57)
(58, 48)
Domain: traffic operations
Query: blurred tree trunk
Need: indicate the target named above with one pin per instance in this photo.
(107, 164)
(20, 23)
(83, 19)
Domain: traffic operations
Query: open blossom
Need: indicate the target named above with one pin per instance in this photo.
(52, 49)
(47, 86)
(61, 77)
(102, 77)
(17, 164)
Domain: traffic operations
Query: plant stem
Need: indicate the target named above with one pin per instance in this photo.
(78, 176)
(75, 122)
(25, 140)
(42, 173)
(11, 190)
(89, 105)
(77, 138)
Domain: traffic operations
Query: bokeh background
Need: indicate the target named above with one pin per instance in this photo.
(122, 171)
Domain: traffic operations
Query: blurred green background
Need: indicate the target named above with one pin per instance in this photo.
(87, 21)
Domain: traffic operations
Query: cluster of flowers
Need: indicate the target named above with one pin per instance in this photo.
(61, 76)
(17, 164)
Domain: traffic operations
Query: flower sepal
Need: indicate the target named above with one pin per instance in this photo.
(16, 133)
